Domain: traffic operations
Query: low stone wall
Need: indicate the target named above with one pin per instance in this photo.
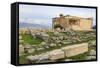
(75, 49)
(69, 51)
(56, 54)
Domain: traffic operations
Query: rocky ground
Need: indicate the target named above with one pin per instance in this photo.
(36, 46)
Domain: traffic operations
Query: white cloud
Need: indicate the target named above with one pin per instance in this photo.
(44, 14)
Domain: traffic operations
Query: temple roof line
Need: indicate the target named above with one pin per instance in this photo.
(73, 17)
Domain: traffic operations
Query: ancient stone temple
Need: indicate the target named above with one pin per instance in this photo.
(73, 22)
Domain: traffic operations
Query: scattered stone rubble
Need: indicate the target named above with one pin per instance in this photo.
(57, 40)
(67, 51)
(92, 53)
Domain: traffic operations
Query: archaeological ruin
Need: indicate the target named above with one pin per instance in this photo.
(72, 22)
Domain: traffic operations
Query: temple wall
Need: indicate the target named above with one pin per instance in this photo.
(84, 23)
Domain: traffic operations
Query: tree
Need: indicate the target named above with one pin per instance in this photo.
(58, 26)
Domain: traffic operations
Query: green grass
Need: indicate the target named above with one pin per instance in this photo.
(50, 33)
(30, 40)
(23, 60)
(35, 41)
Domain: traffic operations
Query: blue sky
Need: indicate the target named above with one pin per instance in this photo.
(43, 15)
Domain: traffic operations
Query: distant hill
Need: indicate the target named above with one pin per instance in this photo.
(30, 25)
